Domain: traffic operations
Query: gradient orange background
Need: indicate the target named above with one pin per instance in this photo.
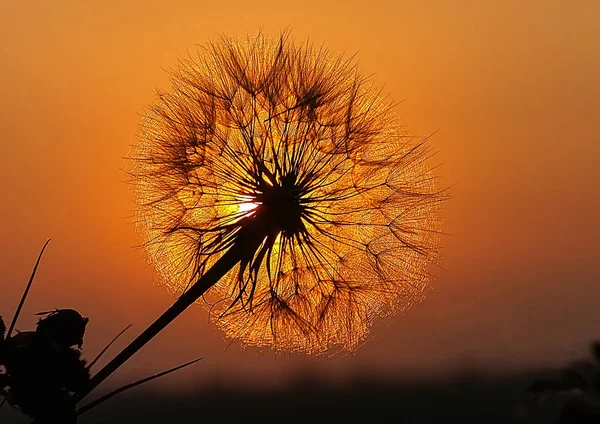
(513, 87)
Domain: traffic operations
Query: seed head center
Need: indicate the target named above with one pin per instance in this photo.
(281, 206)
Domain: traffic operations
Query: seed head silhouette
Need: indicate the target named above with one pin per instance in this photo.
(290, 152)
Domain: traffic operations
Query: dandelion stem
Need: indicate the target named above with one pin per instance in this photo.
(246, 243)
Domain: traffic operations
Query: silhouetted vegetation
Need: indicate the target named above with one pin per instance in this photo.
(43, 370)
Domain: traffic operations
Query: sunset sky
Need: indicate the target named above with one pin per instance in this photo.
(511, 90)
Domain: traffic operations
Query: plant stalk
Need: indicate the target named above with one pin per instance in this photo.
(244, 246)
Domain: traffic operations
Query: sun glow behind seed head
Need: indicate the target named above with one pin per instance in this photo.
(247, 205)
(297, 139)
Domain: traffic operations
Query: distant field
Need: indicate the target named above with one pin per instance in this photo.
(464, 399)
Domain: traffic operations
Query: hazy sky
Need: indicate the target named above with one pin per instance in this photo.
(512, 87)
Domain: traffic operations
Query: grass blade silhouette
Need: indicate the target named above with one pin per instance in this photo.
(108, 396)
(97, 358)
(22, 302)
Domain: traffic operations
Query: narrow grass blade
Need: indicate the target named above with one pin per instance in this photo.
(107, 396)
(18, 311)
(91, 364)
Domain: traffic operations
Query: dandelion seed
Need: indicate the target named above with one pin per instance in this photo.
(294, 142)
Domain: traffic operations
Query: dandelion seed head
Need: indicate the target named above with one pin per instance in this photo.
(294, 137)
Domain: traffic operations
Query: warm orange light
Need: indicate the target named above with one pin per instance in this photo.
(350, 223)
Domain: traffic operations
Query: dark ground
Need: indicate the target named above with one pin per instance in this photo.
(468, 398)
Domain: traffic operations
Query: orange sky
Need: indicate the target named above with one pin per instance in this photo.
(513, 87)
